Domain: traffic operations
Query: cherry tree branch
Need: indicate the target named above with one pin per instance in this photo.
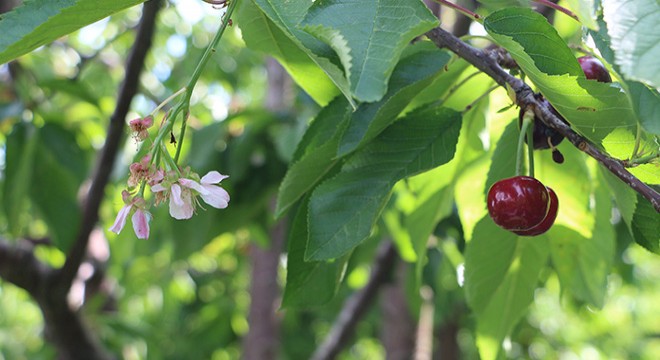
(128, 90)
(357, 305)
(525, 99)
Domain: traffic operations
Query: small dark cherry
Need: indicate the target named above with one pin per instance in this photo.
(542, 134)
(549, 220)
(594, 69)
(518, 203)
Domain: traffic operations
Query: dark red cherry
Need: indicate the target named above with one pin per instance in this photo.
(518, 203)
(594, 69)
(550, 217)
(543, 135)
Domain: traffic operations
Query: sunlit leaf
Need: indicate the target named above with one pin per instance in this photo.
(39, 22)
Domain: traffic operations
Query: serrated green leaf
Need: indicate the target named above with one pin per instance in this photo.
(262, 34)
(645, 100)
(315, 156)
(636, 47)
(501, 273)
(20, 151)
(310, 283)
(582, 263)
(601, 112)
(646, 225)
(412, 74)
(343, 209)
(368, 36)
(287, 15)
(39, 22)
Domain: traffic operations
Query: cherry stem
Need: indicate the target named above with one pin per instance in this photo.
(462, 10)
(559, 8)
(481, 97)
(530, 147)
(527, 120)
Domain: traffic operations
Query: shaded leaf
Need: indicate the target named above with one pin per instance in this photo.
(411, 75)
(368, 36)
(343, 209)
(309, 283)
(20, 151)
(646, 225)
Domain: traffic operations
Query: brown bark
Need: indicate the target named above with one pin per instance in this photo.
(262, 339)
(398, 336)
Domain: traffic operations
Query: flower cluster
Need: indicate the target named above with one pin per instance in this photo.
(180, 187)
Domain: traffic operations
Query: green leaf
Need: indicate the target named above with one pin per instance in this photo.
(624, 196)
(262, 34)
(601, 112)
(287, 15)
(501, 273)
(645, 100)
(58, 172)
(585, 11)
(368, 36)
(413, 73)
(636, 47)
(503, 161)
(310, 283)
(318, 154)
(343, 209)
(646, 103)
(20, 152)
(39, 22)
(646, 225)
(583, 264)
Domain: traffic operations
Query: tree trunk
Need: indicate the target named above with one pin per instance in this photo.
(398, 334)
(262, 339)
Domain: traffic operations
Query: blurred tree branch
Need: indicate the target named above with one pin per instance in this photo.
(358, 304)
(483, 61)
(49, 287)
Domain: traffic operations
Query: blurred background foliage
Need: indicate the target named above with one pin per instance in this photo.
(184, 293)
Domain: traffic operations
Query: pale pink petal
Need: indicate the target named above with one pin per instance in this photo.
(141, 224)
(120, 221)
(181, 209)
(191, 184)
(158, 188)
(216, 196)
(176, 195)
(212, 177)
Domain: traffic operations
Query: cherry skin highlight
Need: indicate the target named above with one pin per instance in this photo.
(518, 203)
(549, 220)
(594, 69)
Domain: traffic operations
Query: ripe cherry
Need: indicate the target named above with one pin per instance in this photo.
(518, 203)
(594, 69)
(549, 220)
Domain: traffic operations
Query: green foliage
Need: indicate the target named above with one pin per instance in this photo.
(343, 209)
(344, 26)
(635, 48)
(38, 22)
(388, 137)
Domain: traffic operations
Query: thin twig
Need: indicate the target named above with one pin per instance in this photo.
(134, 66)
(525, 99)
(357, 305)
